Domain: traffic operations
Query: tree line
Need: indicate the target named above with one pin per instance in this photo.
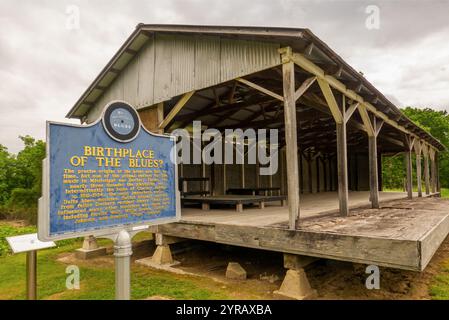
(437, 124)
(21, 180)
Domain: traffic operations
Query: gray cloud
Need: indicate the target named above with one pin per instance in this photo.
(44, 67)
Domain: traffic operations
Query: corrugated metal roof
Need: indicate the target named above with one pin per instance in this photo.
(299, 39)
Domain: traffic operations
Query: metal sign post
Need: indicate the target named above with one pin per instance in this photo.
(31, 267)
(30, 244)
(122, 253)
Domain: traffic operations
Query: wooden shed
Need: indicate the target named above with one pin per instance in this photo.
(334, 128)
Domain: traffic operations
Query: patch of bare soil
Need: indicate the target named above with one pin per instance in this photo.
(335, 280)
(264, 268)
(15, 223)
(332, 279)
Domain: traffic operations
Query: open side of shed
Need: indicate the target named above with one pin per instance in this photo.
(333, 125)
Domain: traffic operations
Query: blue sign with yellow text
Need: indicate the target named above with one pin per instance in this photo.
(110, 175)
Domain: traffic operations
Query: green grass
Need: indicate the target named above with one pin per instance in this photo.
(96, 279)
(439, 289)
(445, 193)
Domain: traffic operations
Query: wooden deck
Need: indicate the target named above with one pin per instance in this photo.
(403, 234)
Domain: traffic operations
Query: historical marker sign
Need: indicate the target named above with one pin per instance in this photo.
(108, 176)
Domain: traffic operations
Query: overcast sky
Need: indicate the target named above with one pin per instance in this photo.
(46, 62)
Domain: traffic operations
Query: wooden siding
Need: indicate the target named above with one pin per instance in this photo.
(170, 65)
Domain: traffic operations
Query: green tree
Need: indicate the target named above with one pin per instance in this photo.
(6, 179)
(21, 179)
(437, 124)
(29, 164)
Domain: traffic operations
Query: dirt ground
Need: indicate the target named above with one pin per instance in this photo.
(331, 279)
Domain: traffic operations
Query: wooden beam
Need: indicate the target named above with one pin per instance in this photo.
(232, 93)
(261, 89)
(304, 86)
(312, 68)
(331, 102)
(288, 72)
(393, 141)
(366, 121)
(350, 111)
(309, 49)
(181, 103)
(379, 125)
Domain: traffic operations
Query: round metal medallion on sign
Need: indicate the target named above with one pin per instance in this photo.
(121, 121)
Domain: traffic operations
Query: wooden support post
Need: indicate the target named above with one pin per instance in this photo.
(282, 171)
(433, 170)
(239, 207)
(356, 169)
(373, 174)
(224, 178)
(204, 184)
(409, 142)
(379, 171)
(373, 165)
(437, 172)
(409, 168)
(370, 124)
(342, 156)
(342, 163)
(418, 151)
(325, 173)
(242, 169)
(257, 174)
(318, 184)
(426, 169)
(301, 173)
(309, 173)
(330, 173)
(288, 72)
(212, 179)
(350, 172)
